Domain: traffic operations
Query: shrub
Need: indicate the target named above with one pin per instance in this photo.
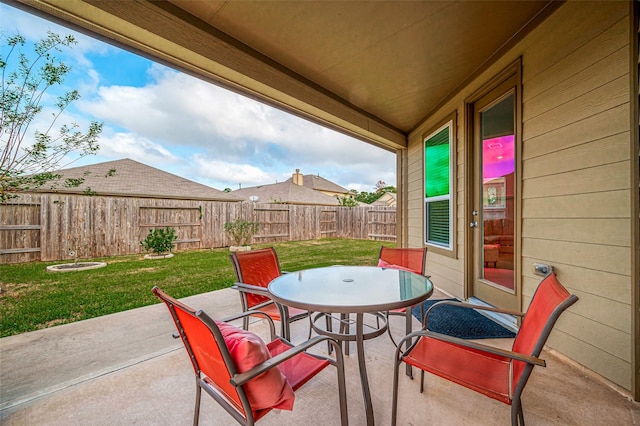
(347, 201)
(160, 240)
(241, 231)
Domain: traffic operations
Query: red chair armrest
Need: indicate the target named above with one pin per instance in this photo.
(469, 344)
(250, 288)
(272, 327)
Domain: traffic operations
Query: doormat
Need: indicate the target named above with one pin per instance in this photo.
(460, 322)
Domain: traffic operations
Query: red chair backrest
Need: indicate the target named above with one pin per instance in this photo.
(204, 347)
(549, 301)
(256, 267)
(411, 258)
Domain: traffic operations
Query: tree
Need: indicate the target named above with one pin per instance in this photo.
(29, 163)
(383, 188)
(369, 197)
(380, 185)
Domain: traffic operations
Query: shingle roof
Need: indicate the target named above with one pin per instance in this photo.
(320, 184)
(387, 199)
(134, 179)
(286, 193)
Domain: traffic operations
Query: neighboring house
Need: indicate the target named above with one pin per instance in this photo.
(318, 183)
(388, 199)
(514, 123)
(129, 178)
(299, 189)
(114, 208)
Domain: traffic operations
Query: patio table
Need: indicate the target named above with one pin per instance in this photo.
(355, 290)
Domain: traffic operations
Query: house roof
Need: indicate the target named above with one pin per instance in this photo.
(321, 184)
(389, 199)
(373, 70)
(133, 179)
(286, 193)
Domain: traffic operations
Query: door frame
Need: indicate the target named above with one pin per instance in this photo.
(472, 250)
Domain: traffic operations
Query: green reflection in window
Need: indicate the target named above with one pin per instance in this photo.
(437, 164)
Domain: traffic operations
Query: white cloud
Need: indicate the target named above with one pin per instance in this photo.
(205, 133)
(127, 145)
(177, 110)
(234, 174)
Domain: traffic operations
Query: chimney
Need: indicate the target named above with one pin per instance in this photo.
(298, 178)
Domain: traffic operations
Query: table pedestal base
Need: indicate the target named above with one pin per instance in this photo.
(344, 335)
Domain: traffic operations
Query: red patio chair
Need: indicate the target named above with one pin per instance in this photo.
(245, 376)
(497, 373)
(254, 271)
(412, 259)
(409, 259)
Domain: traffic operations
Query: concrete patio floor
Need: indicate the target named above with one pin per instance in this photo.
(125, 369)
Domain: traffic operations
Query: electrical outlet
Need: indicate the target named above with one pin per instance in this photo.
(542, 269)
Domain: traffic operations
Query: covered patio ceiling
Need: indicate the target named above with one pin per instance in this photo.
(373, 70)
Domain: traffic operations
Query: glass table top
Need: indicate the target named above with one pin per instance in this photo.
(350, 289)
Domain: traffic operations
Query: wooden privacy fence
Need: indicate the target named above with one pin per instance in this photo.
(45, 227)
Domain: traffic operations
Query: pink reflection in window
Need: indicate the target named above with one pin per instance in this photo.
(498, 157)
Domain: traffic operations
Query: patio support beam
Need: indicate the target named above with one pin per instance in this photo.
(634, 73)
(167, 34)
(402, 228)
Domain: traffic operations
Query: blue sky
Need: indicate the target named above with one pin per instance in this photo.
(183, 125)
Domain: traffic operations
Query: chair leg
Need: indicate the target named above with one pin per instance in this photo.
(521, 415)
(394, 403)
(196, 411)
(408, 329)
(389, 331)
(284, 330)
(517, 416)
(245, 323)
(342, 386)
(421, 381)
(408, 314)
(245, 308)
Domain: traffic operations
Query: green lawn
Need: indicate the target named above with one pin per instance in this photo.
(33, 298)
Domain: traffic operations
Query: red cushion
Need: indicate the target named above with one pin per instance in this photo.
(270, 389)
(383, 264)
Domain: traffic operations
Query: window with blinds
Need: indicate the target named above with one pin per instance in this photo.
(438, 180)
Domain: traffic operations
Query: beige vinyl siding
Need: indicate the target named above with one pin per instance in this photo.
(601, 99)
(576, 148)
(445, 271)
(590, 57)
(415, 205)
(576, 166)
(612, 149)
